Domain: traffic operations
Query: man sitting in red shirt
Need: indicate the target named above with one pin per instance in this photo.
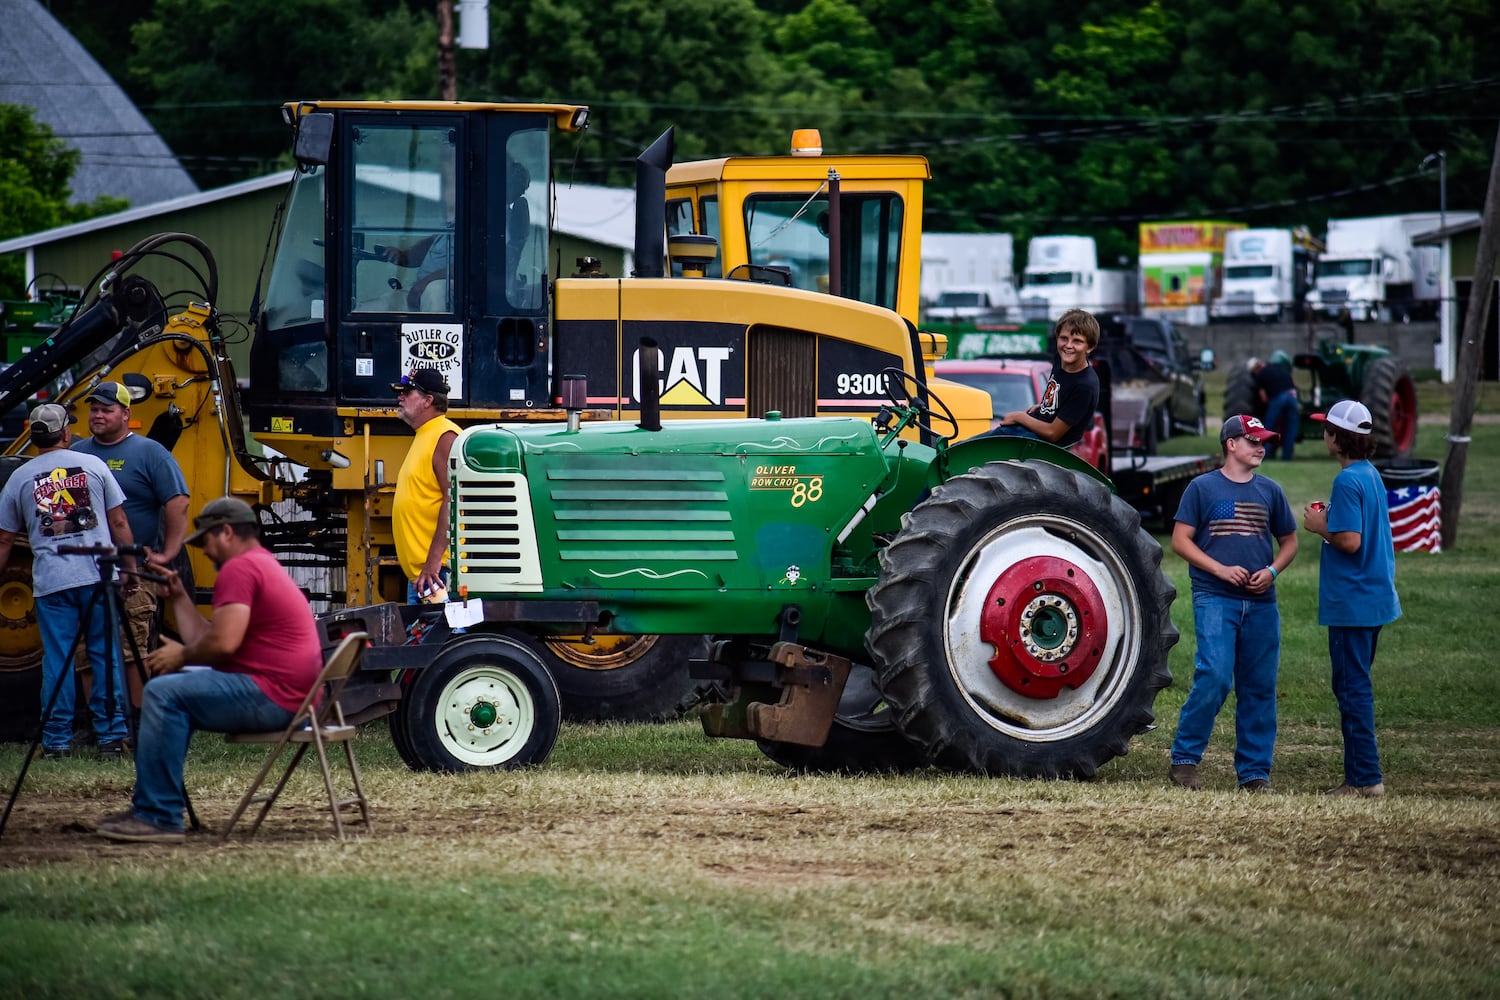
(245, 670)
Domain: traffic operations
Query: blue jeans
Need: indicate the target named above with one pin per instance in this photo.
(1351, 650)
(173, 707)
(1013, 430)
(64, 617)
(1283, 416)
(1239, 646)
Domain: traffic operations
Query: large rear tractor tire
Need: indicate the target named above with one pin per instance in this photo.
(486, 701)
(20, 651)
(863, 740)
(1240, 395)
(1021, 623)
(625, 678)
(1392, 398)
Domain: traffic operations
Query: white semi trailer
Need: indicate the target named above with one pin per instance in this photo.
(1372, 269)
(1063, 272)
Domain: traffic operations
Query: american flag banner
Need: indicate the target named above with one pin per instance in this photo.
(1228, 517)
(1416, 518)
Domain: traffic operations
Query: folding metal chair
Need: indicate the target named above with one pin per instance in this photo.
(315, 725)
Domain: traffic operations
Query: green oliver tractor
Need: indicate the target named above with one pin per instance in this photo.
(1342, 371)
(880, 600)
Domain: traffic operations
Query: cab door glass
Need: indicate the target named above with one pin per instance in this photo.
(295, 340)
(708, 215)
(522, 284)
(790, 231)
(405, 202)
(680, 221)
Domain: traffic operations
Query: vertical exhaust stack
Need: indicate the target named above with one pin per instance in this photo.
(651, 207)
(649, 375)
(835, 235)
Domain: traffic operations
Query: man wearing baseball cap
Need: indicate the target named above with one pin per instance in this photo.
(1356, 584)
(1225, 527)
(261, 645)
(419, 513)
(156, 503)
(56, 499)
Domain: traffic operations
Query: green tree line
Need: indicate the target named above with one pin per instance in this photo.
(1037, 118)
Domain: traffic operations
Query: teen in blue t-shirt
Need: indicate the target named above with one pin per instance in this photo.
(1225, 528)
(1356, 585)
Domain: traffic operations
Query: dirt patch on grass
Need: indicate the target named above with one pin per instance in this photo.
(792, 835)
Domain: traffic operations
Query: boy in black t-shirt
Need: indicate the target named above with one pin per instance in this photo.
(1072, 395)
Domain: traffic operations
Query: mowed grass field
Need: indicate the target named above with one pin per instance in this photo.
(647, 861)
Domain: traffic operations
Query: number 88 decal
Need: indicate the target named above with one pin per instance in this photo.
(807, 492)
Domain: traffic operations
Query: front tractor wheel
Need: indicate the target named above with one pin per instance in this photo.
(485, 702)
(1021, 623)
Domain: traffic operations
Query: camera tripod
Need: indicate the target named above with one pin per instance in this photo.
(107, 559)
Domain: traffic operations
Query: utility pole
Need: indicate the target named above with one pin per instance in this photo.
(1470, 353)
(447, 71)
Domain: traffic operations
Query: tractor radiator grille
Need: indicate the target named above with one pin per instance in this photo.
(782, 373)
(497, 551)
(645, 520)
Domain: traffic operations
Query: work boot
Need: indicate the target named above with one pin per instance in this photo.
(1260, 785)
(1374, 791)
(1185, 776)
(130, 828)
(112, 751)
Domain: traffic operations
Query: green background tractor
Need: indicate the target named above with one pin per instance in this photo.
(1342, 371)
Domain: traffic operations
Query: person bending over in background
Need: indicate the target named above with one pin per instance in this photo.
(1274, 381)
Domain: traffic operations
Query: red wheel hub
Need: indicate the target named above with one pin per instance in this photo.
(1048, 624)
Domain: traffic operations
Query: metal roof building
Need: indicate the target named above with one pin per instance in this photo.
(42, 66)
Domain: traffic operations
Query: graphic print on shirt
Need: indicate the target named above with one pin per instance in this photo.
(63, 503)
(1048, 405)
(1238, 517)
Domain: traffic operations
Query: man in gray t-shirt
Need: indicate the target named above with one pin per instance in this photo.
(61, 499)
(156, 504)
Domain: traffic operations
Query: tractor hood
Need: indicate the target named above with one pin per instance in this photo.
(510, 447)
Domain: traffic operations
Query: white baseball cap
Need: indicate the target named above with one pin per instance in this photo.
(1350, 415)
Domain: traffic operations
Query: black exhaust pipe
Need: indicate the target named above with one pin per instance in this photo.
(651, 207)
(649, 373)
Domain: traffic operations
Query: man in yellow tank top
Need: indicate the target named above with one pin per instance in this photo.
(419, 518)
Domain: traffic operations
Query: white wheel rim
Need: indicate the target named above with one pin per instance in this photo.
(1074, 711)
(484, 716)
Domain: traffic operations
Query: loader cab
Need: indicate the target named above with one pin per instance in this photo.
(414, 235)
(771, 216)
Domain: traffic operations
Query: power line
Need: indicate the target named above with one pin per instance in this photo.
(1221, 211)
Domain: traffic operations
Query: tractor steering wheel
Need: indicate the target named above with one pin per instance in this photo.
(923, 413)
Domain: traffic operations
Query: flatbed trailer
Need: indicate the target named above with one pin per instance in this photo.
(1153, 484)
